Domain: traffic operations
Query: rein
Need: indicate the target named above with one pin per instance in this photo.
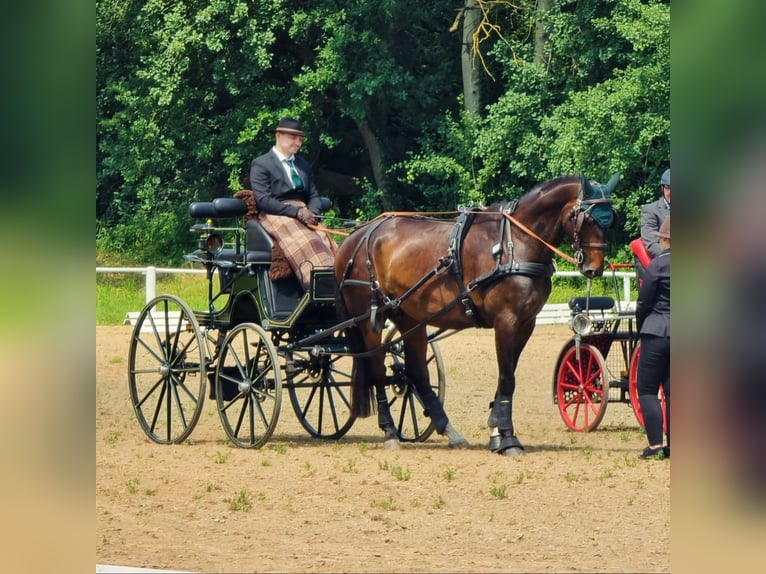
(531, 233)
(385, 214)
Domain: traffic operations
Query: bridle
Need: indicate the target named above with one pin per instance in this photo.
(580, 211)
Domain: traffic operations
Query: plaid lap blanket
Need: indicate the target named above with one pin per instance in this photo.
(304, 248)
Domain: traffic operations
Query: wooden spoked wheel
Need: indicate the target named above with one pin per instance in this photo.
(166, 370)
(582, 391)
(320, 392)
(248, 386)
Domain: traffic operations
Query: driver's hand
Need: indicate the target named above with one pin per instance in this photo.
(306, 216)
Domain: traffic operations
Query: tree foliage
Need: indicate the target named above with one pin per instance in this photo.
(189, 92)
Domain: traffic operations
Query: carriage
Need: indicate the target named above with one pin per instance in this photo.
(363, 336)
(256, 338)
(599, 364)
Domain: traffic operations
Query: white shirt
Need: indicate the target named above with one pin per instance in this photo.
(283, 160)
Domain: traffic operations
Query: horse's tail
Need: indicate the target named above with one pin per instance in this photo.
(362, 403)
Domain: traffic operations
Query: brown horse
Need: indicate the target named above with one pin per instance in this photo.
(488, 268)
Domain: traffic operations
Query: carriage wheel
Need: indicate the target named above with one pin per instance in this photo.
(407, 409)
(582, 392)
(248, 386)
(633, 389)
(320, 389)
(166, 370)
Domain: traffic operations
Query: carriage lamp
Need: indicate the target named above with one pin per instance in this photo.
(212, 243)
(581, 324)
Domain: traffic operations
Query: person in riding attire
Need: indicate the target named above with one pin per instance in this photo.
(653, 214)
(653, 323)
(288, 202)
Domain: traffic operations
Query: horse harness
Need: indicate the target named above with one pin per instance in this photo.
(591, 201)
(453, 263)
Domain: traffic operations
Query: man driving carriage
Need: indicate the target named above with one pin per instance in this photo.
(288, 202)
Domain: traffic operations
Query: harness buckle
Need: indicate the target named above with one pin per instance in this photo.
(389, 303)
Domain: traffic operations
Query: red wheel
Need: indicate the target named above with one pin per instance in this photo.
(581, 388)
(633, 388)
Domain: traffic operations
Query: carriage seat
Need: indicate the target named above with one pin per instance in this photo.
(258, 243)
(257, 249)
(602, 303)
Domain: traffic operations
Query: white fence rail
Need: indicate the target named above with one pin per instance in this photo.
(150, 285)
(552, 313)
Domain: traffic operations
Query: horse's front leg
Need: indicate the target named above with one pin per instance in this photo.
(502, 439)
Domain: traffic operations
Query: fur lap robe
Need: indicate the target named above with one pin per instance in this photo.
(280, 268)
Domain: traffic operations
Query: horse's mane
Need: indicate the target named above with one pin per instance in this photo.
(536, 192)
(546, 186)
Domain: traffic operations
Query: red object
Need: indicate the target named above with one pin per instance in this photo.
(642, 258)
(582, 391)
(639, 250)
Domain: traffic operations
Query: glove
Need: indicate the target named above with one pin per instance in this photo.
(306, 216)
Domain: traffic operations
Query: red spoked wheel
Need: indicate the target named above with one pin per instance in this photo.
(582, 391)
(633, 389)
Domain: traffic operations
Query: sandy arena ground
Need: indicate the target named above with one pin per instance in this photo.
(576, 502)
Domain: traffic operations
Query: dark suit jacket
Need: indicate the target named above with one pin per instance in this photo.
(271, 185)
(653, 305)
(652, 216)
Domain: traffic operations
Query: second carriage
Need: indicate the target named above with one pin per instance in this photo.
(599, 364)
(256, 337)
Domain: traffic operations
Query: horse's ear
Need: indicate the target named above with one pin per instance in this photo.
(586, 187)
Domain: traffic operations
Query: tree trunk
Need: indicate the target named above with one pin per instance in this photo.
(470, 64)
(541, 34)
(375, 152)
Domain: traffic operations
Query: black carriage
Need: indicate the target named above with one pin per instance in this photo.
(599, 364)
(257, 337)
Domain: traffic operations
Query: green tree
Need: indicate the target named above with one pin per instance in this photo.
(380, 67)
(189, 92)
(175, 85)
(593, 98)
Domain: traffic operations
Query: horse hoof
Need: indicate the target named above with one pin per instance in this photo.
(392, 444)
(459, 444)
(513, 451)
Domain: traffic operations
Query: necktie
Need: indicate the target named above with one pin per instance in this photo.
(294, 174)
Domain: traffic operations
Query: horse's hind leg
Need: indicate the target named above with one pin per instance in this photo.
(377, 374)
(503, 439)
(416, 370)
(385, 420)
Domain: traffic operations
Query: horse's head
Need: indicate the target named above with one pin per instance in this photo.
(591, 215)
